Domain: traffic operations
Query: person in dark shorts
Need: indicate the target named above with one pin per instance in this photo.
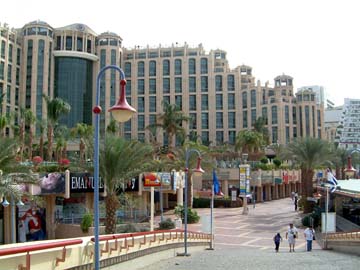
(277, 240)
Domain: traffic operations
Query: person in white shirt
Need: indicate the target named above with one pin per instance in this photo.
(309, 236)
(291, 235)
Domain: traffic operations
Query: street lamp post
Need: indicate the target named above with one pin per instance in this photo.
(197, 171)
(121, 112)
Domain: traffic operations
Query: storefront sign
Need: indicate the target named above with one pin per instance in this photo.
(84, 182)
(151, 180)
(132, 184)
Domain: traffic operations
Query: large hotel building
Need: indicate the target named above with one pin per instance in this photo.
(39, 60)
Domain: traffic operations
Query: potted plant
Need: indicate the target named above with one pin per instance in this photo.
(86, 222)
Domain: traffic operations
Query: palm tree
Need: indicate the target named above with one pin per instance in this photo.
(11, 173)
(55, 108)
(120, 159)
(62, 135)
(82, 131)
(308, 153)
(259, 126)
(249, 141)
(42, 128)
(27, 119)
(171, 121)
(113, 126)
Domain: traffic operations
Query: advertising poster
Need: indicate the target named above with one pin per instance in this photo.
(49, 183)
(151, 180)
(31, 223)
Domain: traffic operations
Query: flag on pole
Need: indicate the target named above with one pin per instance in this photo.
(216, 183)
(332, 181)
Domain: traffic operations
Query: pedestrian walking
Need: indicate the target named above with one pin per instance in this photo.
(291, 235)
(292, 195)
(309, 235)
(296, 203)
(277, 240)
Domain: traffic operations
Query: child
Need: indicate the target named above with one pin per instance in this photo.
(277, 239)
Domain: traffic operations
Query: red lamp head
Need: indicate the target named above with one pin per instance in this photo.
(122, 111)
(198, 171)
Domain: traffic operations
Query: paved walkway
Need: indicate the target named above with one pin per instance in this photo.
(245, 242)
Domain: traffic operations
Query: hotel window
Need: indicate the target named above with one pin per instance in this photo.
(128, 88)
(79, 44)
(219, 101)
(166, 67)
(10, 54)
(192, 66)
(204, 120)
(177, 67)
(287, 114)
(192, 122)
(264, 114)
(231, 101)
(152, 68)
(274, 119)
(127, 70)
(274, 135)
(152, 86)
(205, 137)
(141, 104)
(17, 76)
(253, 116)
(307, 120)
(141, 137)
(220, 137)
(192, 84)
(103, 60)
(232, 137)
(192, 103)
(68, 43)
(141, 87)
(141, 69)
(2, 69)
(9, 75)
(301, 121)
(18, 56)
(88, 45)
(152, 119)
(17, 97)
(178, 102)
(8, 94)
(245, 121)
(231, 120)
(204, 83)
(178, 85)
(166, 99)
(253, 98)
(141, 122)
(166, 85)
(230, 83)
(152, 104)
(294, 115)
(204, 66)
(244, 100)
(318, 118)
(218, 83)
(204, 102)
(219, 120)
(287, 134)
(3, 46)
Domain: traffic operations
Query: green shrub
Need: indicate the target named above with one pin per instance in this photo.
(264, 160)
(167, 224)
(86, 222)
(277, 162)
(201, 202)
(128, 228)
(192, 215)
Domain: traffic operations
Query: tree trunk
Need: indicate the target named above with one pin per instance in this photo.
(22, 140)
(41, 146)
(30, 143)
(111, 204)
(50, 137)
(82, 151)
(307, 189)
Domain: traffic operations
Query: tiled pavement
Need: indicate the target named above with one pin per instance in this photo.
(245, 242)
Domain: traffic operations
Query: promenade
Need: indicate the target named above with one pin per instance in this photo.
(245, 242)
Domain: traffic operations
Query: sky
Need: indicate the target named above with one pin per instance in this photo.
(317, 42)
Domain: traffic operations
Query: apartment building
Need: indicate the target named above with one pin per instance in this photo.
(64, 62)
(349, 130)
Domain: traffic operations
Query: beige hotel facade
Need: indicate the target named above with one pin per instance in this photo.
(39, 60)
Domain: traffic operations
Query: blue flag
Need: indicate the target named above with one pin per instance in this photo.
(216, 183)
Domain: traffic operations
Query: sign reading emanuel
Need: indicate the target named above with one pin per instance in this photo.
(84, 182)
